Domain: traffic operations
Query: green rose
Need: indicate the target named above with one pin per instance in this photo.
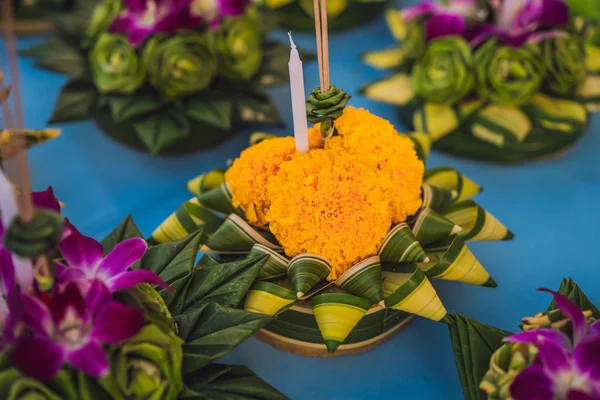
(239, 49)
(102, 16)
(445, 72)
(181, 64)
(37, 237)
(565, 63)
(147, 366)
(506, 363)
(115, 65)
(508, 75)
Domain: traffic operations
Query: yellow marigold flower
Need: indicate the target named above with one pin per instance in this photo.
(247, 176)
(330, 203)
(376, 138)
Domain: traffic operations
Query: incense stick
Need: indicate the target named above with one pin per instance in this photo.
(319, 43)
(325, 44)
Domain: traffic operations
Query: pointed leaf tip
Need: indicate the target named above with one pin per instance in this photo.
(491, 283)
(332, 345)
(509, 236)
(447, 319)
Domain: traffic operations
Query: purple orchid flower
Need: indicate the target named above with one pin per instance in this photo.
(213, 11)
(86, 263)
(142, 18)
(564, 369)
(72, 329)
(518, 21)
(443, 20)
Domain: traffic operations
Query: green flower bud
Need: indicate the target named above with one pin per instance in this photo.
(445, 72)
(115, 65)
(181, 64)
(508, 75)
(147, 366)
(565, 63)
(555, 319)
(239, 49)
(102, 16)
(37, 237)
(506, 363)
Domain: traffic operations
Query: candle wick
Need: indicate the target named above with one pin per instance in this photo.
(291, 40)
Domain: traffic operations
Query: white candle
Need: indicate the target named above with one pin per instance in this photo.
(298, 99)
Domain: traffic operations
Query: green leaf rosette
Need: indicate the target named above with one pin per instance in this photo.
(562, 56)
(37, 237)
(508, 75)
(102, 16)
(506, 363)
(115, 66)
(181, 64)
(239, 49)
(326, 107)
(445, 72)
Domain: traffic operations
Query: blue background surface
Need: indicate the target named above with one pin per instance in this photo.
(551, 206)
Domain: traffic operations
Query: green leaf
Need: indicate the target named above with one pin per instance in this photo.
(584, 8)
(572, 290)
(225, 284)
(473, 344)
(228, 382)
(89, 388)
(212, 331)
(256, 109)
(58, 55)
(75, 102)
(160, 130)
(217, 113)
(127, 229)
(127, 107)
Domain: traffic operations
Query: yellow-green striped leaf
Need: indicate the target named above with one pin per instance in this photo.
(592, 58)
(559, 115)
(407, 289)
(431, 227)
(186, 220)
(337, 314)
(269, 298)
(397, 90)
(384, 59)
(437, 198)
(258, 137)
(305, 271)
(437, 120)
(477, 224)
(401, 245)
(275, 266)
(500, 125)
(590, 90)
(450, 179)
(32, 137)
(236, 236)
(207, 181)
(456, 263)
(422, 143)
(363, 280)
(220, 200)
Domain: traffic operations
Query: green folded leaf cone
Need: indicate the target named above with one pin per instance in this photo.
(147, 366)
(506, 363)
(508, 75)
(181, 64)
(239, 49)
(555, 319)
(563, 58)
(326, 107)
(103, 15)
(34, 238)
(445, 72)
(115, 66)
(413, 44)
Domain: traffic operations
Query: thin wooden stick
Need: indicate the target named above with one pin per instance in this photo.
(319, 44)
(325, 44)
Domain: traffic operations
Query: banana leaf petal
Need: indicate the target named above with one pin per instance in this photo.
(436, 119)
(436, 198)
(431, 227)
(450, 179)
(276, 264)
(397, 90)
(364, 280)
(384, 59)
(305, 271)
(422, 143)
(560, 115)
(500, 125)
(401, 245)
(269, 298)
(236, 236)
(220, 200)
(477, 224)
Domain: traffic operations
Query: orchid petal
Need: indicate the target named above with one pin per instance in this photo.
(540, 336)
(66, 301)
(444, 24)
(90, 358)
(123, 256)
(39, 358)
(130, 279)
(36, 315)
(587, 357)
(538, 37)
(97, 296)
(480, 33)
(46, 200)
(232, 8)
(594, 328)
(135, 6)
(576, 316)
(81, 251)
(556, 359)
(116, 322)
(532, 383)
(7, 272)
(70, 274)
(554, 13)
(579, 395)
(423, 8)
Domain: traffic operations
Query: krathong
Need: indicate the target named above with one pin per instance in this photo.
(503, 81)
(352, 233)
(556, 356)
(168, 76)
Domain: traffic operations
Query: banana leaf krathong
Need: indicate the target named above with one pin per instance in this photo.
(342, 14)
(487, 365)
(491, 96)
(370, 300)
(165, 87)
